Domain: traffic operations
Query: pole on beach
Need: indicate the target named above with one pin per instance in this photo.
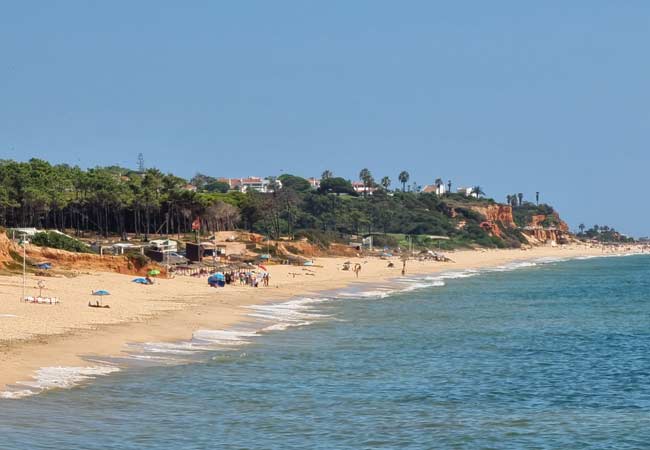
(23, 242)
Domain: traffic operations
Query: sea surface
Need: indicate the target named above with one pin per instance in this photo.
(546, 355)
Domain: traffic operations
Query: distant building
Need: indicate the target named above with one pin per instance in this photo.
(467, 192)
(438, 189)
(360, 188)
(315, 182)
(258, 184)
(189, 187)
(163, 245)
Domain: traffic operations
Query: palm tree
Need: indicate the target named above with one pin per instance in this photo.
(513, 200)
(404, 178)
(385, 182)
(367, 179)
(449, 186)
(581, 227)
(477, 191)
(520, 196)
(438, 183)
(326, 174)
(537, 197)
(508, 199)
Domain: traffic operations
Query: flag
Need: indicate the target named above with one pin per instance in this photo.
(196, 225)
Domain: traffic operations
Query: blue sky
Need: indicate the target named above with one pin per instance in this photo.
(513, 96)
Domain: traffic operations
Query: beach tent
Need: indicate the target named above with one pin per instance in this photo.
(140, 280)
(154, 272)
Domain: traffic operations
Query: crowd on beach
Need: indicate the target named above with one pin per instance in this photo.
(244, 277)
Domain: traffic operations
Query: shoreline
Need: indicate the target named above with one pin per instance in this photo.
(177, 308)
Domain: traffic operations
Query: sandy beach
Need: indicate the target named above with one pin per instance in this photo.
(33, 336)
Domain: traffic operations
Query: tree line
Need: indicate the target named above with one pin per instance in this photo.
(116, 200)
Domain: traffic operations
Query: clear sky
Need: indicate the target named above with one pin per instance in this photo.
(514, 96)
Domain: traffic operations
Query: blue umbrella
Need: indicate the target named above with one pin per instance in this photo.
(140, 280)
(101, 292)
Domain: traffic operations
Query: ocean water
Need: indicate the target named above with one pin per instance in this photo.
(547, 355)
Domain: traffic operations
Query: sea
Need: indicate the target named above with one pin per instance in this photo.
(543, 354)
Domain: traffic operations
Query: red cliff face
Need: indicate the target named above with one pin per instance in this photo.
(497, 213)
(558, 233)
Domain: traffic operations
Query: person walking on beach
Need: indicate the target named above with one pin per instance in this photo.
(357, 269)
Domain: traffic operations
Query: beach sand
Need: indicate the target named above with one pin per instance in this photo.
(33, 336)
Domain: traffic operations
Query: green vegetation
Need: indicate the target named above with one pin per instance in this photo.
(137, 259)
(61, 241)
(116, 200)
(523, 214)
(603, 234)
(295, 183)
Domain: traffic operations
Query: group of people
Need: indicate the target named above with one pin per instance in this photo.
(246, 278)
(252, 279)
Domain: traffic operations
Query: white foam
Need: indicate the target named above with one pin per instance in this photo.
(285, 325)
(293, 313)
(455, 275)
(173, 348)
(223, 337)
(57, 377)
(17, 394)
(378, 294)
(512, 266)
(8, 315)
(416, 286)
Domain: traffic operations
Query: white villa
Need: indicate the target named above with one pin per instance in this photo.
(258, 184)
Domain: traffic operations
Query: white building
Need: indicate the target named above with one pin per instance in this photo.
(360, 188)
(467, 192)
(164, 245)
(258, 184)
(438, 189)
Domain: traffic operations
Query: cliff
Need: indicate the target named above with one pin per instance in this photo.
(556, 231)
(540, 229)
(496, 214)
(10, 253)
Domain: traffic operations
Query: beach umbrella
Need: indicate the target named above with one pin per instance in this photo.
(265, 256)
(101, 293)
(263, 268)
(154, 272)
(140, 280)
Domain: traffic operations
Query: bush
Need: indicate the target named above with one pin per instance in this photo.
(137, 259)
(59, 241)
